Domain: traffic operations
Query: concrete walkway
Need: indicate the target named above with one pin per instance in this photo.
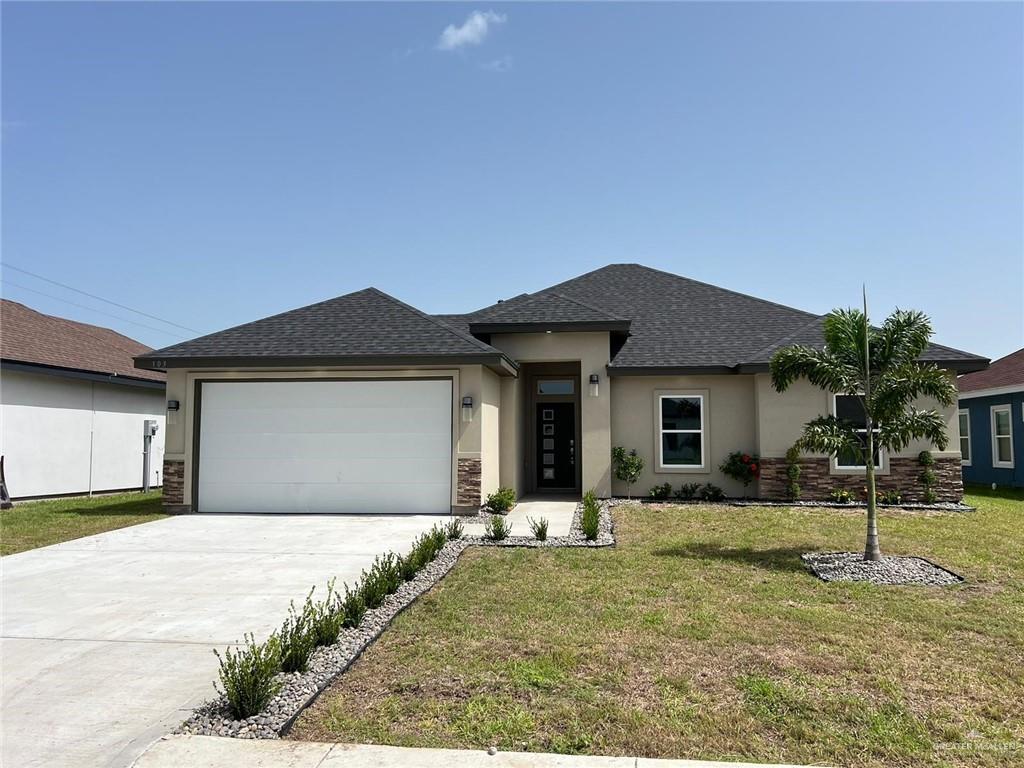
(558, 513)
(107, 640)
(214, 752)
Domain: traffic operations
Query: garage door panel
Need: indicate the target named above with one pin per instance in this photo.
(370, 446)
(326, 446)
(323, 471)
(305, 498)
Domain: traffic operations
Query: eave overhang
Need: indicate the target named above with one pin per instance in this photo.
(611, 326)
(78, 373)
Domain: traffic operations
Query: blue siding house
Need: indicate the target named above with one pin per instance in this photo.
(992, 423)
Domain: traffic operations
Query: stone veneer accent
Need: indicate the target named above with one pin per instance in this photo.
(816, 483)
(174, 487)
(468, 493)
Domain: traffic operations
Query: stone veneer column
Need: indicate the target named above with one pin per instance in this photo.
(174, 487)
(467, 495)
(904, 475)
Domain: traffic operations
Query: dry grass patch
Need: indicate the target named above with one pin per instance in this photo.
(701, 635)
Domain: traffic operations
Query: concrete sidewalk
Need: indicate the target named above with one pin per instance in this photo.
(215, 752)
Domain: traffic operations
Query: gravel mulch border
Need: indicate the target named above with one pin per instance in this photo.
(891, 570)
(327, 663)
(943, 506)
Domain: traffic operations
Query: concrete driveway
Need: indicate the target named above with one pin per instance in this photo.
(106, 640)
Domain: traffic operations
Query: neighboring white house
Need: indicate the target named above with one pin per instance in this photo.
(73, 407)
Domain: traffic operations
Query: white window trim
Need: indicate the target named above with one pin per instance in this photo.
(970, 446)
(1008, 410)
(662, 466)
(880, 466)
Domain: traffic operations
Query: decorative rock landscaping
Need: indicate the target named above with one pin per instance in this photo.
(299, 690)
(891, 570)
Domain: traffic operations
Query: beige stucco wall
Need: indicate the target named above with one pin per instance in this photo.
(473, 439)
(781, 418)
(730, 425)
(511, 473)
(591, 349)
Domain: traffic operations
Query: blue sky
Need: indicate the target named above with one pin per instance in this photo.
(215, 163)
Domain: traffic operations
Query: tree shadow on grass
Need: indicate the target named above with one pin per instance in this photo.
(132, 507)
(775, 559)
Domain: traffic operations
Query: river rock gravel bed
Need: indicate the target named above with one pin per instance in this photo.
(889, 571)
(300, 689)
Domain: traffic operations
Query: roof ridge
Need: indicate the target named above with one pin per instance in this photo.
(781, 340)
(585, 305)
(439, 323)
(86, 328)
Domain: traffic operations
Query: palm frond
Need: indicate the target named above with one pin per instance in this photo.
(820, 367)
(827, 434)
(913, 424)
(897, 387)
(902, 338)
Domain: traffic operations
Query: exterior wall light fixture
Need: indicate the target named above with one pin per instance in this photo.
(467, 409)
(594, 384)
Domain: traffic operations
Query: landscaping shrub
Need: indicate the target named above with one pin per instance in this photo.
(539, 528)
(927, 476)
(298, 639)
(248, 675)
(453, 530)
(661, 492)
(628, 466)
(354, 607)
(383, 578)
(687, 491)
(890, 496)
(501, 501)
(423, 551)
(327, 616)
(841, 496)
(590, 519)
(744, 467)
(793, 473)
(497, 528)
(711, 492)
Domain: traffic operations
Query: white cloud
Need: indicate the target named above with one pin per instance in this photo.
(472, 32)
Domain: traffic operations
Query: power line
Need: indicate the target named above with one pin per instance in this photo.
(98, 298)
(97, 311)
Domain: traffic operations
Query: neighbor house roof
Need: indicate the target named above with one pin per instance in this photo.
(365, 327)
(30, 338)
(1005, 372)
(660, 323)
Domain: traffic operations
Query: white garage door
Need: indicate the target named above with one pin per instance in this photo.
(326, 446)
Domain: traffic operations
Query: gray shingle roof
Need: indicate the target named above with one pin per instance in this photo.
(546, 308)
(364, 324)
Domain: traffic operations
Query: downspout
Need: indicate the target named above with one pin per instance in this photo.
(92, 429)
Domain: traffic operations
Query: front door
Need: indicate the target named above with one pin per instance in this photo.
(556, 446)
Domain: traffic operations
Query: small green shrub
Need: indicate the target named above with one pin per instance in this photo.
(501, 501)
(383, 578)
(354, 607)
(841, 496)
(248, 675)
(628, 466)
(711, 492)
(929, 496)
(454, 529)
(925, 459)
(661, 492)
(745, 467)
(591, 516)
(539, 528)
(497, 528)
(298, 639)
(927, 477)
(889, 496)
(327, 616)
(423, 551)
(793, 473)
(687, 491)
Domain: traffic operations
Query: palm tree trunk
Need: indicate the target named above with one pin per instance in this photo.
(871, 548)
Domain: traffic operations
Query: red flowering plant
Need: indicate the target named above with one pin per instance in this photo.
(744, 467)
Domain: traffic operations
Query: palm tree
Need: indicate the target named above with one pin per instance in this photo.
(881, 367)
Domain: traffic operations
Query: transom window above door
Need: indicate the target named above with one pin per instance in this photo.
(681, 431)
(556, 387)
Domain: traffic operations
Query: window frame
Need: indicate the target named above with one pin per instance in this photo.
(970, 446)
(855, 468)
(661, 466)
(1008, 410)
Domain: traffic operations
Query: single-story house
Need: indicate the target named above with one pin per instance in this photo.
(73, 407)
(365, 404)
(992, 423)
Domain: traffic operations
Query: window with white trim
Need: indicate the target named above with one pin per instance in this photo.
(681, 427)
(1002, 436)
(848, 408)
(965, 437)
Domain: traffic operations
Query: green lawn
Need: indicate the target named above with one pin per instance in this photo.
(701, 635)
(37, 523)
